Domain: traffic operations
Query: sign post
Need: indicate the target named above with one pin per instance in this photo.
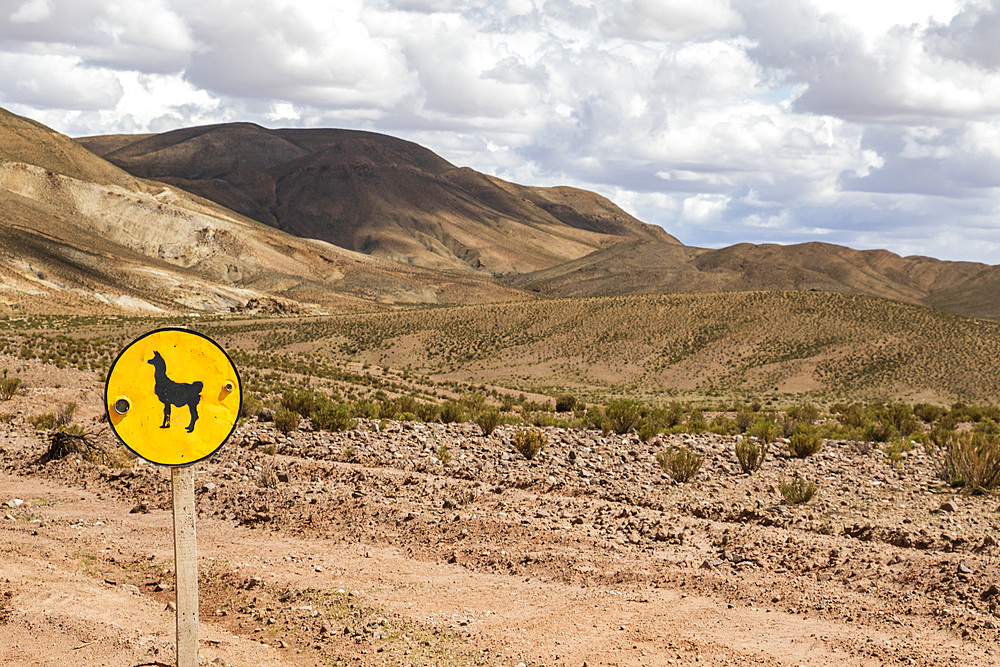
(156, 373)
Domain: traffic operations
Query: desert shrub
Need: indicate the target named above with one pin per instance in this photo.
(804, 442)
(451, 411)
(879, 431)
(987, 426)
(744, 420)
(267, 477)
(330, 416)
(473, 402)
(750, 454)
(797, 491)
(764, 430)
(442, 453)
(970, 460)
(302, 401)
(286, 420)
(65, 415)
(75, 442)
(251, 406)
(681, 463)
(488, 419)
(428, 412)
(723, 425)
(596, 418)
(44, 421)
(695, 423)
(803, 412)
(648, 429)
(8, 387)
(623, 415)
(529, 442)
(672, 416)
(565, 403)
(507, 402)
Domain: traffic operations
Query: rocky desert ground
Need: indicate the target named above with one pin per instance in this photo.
(364, 547)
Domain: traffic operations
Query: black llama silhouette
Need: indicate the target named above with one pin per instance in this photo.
(174, 393)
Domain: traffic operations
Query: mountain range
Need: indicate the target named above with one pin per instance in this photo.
(237, 216)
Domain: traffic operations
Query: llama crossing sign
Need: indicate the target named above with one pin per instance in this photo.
(173, 397)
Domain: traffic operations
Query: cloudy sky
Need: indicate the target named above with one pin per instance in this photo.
(860, 122)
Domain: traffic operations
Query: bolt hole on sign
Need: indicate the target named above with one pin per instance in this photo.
(173, 397)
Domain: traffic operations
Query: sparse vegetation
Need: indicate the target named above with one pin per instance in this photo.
(970, 461)
(529, 442)
(286, 420)
(681, 463)
(488, 419)
(750, 453)
(797, 491)
(805, 441)
(8, 386)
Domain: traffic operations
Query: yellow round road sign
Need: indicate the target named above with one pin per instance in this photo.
(173, 397)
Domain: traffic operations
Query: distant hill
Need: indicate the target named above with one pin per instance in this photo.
(379, 195)
(394, 199)
(966, 288)
(79, 235)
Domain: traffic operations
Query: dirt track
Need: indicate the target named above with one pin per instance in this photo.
(375, 552)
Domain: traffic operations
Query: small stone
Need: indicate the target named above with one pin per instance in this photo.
(949, 506)
(131, 589)
(964, 569)
(14, 502)
(450, 504)
(207, 487)
(140, 508)
(171, 606)
(285, 477)
(990, 592)
(160, 587)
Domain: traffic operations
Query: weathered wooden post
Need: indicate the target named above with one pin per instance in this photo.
(157, 372)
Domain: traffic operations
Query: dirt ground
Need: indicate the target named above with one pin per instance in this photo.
(365, 548)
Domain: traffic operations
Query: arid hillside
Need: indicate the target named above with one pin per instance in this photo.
(966, 288)
(80, 235)
(379, 195)
(390, 198)
(829, 346)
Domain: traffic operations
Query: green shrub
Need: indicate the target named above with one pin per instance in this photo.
(43, 422)
(488, 419)
(330, 416)
(681, 463)
(970, 460)
(565, 403)
(803, 412)
(623, 415)
(251, 406)
(286, 420)
(744, 420)
(529, 442)
(8, 387)
(648, 429)
(764, 430)
(879, 431)
(451, 411)
(804, 442)
(723, 425)
(750, 454)
(301, 402)
(442, 453)
(797, 491)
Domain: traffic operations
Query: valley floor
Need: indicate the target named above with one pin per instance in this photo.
(371, 551)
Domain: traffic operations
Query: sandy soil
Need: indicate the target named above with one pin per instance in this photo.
(368, 550)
